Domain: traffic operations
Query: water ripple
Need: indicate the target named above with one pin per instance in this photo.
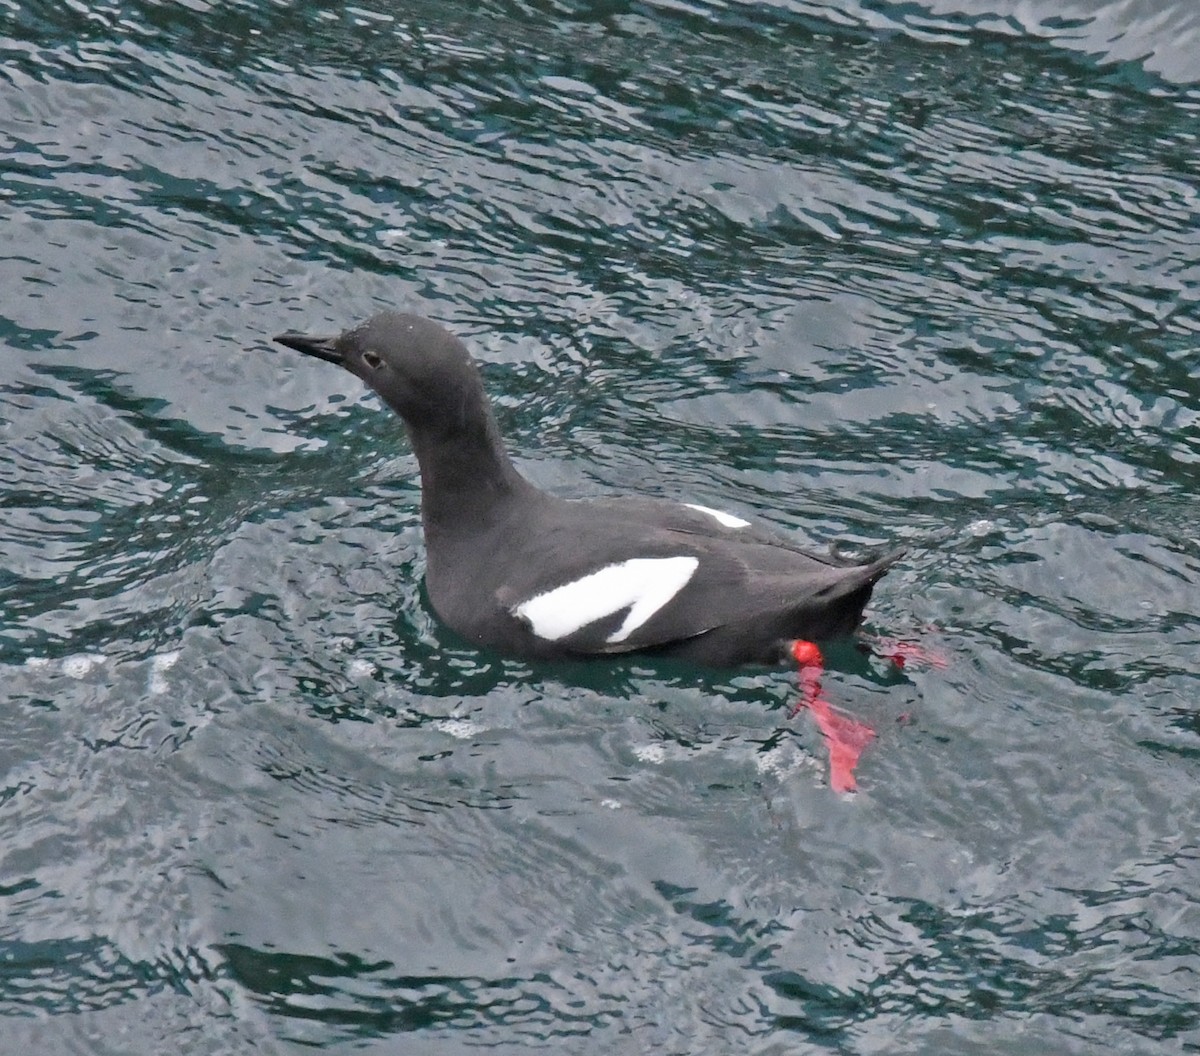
(868, 272)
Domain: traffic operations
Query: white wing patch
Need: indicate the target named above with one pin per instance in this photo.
(643, 585)
(727, 519)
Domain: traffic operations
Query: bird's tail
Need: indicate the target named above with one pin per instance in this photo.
(847, 596)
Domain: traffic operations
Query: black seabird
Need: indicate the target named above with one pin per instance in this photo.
(523, 572)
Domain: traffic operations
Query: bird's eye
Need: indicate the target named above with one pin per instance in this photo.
(372, 360)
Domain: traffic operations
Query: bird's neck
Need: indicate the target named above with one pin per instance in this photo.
(467, 477)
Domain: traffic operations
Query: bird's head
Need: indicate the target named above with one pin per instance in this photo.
(423, 372)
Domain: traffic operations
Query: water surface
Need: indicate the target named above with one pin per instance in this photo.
(874, 273)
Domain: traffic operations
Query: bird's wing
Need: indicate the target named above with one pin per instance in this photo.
(667, 586)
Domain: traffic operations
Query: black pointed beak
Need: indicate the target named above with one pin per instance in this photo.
(322, 347)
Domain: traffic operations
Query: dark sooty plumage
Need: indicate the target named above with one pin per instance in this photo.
(526, 573)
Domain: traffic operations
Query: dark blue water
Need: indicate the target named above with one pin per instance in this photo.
(875, 273)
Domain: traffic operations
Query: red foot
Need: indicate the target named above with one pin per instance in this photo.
(903, 653)
(845, 737)
(807, 653)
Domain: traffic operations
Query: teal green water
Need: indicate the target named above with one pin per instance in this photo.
(875, 273)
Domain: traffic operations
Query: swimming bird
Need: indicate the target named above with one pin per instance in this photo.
(513, 568)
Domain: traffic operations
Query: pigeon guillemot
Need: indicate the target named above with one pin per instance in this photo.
(521, 571)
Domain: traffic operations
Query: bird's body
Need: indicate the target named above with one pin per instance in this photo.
(524, 572)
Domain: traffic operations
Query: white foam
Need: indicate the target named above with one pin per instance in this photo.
(462, 729)
(159, 665)
(783, 760)
(165, 661)
(360, 669)
(79, 665)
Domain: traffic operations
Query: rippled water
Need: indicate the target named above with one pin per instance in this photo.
(874, 272)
